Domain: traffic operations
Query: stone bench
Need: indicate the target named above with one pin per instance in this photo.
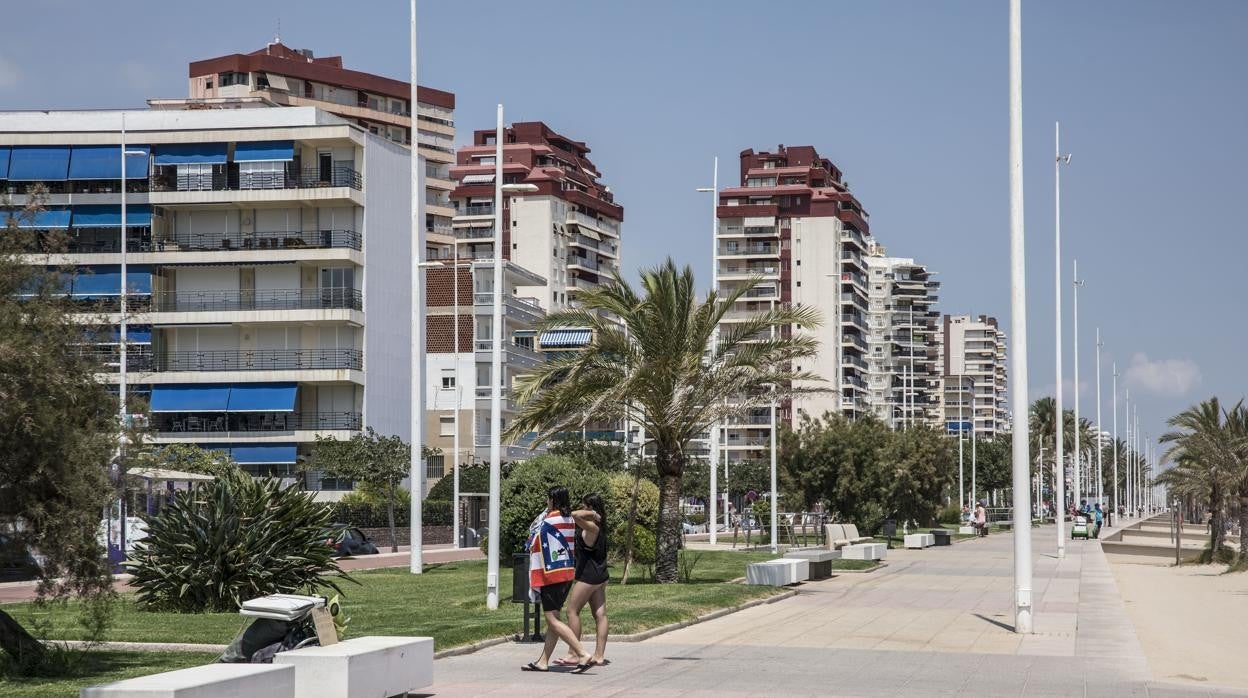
(841, 535)
(864, 551)
(966, 530)
(207, 681)
(920, 540)
(820, 561)
(361, 666)
(777, 573)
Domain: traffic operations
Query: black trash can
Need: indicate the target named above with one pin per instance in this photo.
(943, 536)
(520, 578)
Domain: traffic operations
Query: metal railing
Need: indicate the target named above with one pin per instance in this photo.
(475, 210)
(259, 360)
(474, 233)
(585, 262)
(276, 299)
(527, 304)
(174, 423)
(232, 179)
(261, 240)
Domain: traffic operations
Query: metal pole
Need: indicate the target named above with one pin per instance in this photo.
(496, 370)
(121, 385)
(910, 413)
(775, 499)
(416, 475)
(1100, 445)
(961, 438)
(1126, 476)
(1078, 452)
(974, 458)
(713, 513)
(1018, 326)
(458, 397)
(1059, 457)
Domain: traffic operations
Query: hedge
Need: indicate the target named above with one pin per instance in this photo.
(435, 513)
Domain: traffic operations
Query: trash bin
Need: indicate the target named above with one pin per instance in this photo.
(520, 578)
(943, 536)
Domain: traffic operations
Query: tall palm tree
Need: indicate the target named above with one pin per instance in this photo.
(1205, 463)
(1237, 436)
(650, 362)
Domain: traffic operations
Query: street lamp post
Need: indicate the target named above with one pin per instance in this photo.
(416, 466)
(961, 438)
(122, 340)
(1100, 446)
(1018, 325)
(1059, 438)
(713, 454)
(1078, 453)
(1126, 476)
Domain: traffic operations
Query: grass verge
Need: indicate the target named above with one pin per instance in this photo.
(95, 667)
(854, 565)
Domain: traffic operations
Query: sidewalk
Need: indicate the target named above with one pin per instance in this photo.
(933, 622)
(16, 592)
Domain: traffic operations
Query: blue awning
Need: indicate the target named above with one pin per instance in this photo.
(263, 397)
(190, 398)
(104, 162)
(4, 161)
(135, 334)
(43, 220)
(253, 454)
(565, 339)
(109, 216)
(39, 163)
(96, 282)
(191, 154)
(264, 151)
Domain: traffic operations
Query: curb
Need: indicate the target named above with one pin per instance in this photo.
(880, 566)
(469, 649)
(141, 646)
(652, 632)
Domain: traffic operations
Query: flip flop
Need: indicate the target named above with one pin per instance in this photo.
(532, 666)
(582, 668)
(565, 662)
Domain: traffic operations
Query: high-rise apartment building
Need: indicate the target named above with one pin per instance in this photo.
(268, 277)
(904, 376)
(974, 366)
(567, 232)
(794, 223)
(278, 75)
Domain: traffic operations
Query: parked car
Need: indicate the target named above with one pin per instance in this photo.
(16, 561)
(348, 541)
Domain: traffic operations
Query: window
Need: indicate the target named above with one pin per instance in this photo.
(208, 85)
(448, 378)
(446, 425)
(486, 161)
(261, 175)
(231, 78)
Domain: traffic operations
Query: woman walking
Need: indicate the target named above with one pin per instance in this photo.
(591, 575)
(551, 571)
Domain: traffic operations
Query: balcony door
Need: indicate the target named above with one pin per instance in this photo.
(337, 287)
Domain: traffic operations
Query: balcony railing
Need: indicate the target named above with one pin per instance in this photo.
(259, 360)
(262, 240)
(277, 299)
(474, 210)
(174, 423)
(584, 262)
(474, 233)
(529, 304)
(232, 179)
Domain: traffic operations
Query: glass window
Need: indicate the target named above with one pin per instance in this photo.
(446, 425)
(448, 378)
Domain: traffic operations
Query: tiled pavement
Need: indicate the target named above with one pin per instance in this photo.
(934, 622)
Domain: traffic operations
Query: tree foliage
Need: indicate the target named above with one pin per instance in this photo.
(380, 462)
(524, 494)
(58, 433)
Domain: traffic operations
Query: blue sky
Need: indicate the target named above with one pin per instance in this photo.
(907, 97)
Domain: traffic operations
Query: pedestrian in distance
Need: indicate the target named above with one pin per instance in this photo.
(981, 518)
(552, 568)
(1099, 517)
(591, 575)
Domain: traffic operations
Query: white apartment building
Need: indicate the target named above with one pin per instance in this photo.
(268, 280)
(973, 356)
(903, 374)
(793, 222)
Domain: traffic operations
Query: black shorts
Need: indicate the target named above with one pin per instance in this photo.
(553, 596)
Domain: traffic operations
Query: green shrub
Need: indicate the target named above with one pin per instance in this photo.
(644, 546)
(950, 515)
(524, 494)
(368, 515)
(696, 519)
(617, 498)
(231, 540)
(472, 478)
(365, 493)
(762, 512)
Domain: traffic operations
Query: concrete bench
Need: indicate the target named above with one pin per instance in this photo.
(864, 551)
(820, 561)
(966, 530)
(941, 536)
(777, 573)
(207, 681)
(362, 666)
(920, 540)
(841, 535)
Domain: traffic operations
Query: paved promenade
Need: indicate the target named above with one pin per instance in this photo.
(933, 623)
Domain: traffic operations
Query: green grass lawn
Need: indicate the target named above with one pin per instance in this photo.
(854, 565)
(90, 668)
(447, 603)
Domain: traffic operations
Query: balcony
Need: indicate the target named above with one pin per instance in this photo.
(277, 299)
(583, 262)
(606, 226)
(530, 356)
(254, 422)
(232, 179)
(259, 360)
(474, 209)
(749, 250)
(261, 240)
(474, 233)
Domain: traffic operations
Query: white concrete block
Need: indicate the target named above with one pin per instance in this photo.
(207, 681)
(864, 551)
(778, 573)
(814, 555)
(966, 530)
(919, 540)
(362, 666)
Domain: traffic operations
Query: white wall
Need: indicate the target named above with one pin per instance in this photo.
(201, 338)
(816, 242)
(532, 244)
(191, 279)
(283, 277)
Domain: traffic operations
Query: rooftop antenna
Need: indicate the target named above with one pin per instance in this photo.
(277, 35)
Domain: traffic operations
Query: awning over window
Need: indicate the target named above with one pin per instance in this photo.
(43, 220)
(477, 179)
(255, 454)
(39, 163)
(109, 216)
(264, 151)
(190, 398)
(191, 154)
(4, 161)
(104, 281)
(104, 162)
(565, 339)
(277, 82)
(262, 397)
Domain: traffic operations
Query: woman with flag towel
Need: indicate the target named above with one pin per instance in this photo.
(551, 572)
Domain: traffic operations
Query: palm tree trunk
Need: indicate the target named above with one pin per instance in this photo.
(1243, 520)
(1215, 521)
(668, 535)
(22, 648)
(632, 521)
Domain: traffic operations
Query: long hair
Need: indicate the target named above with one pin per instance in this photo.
(560, 499)
(594, 502)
